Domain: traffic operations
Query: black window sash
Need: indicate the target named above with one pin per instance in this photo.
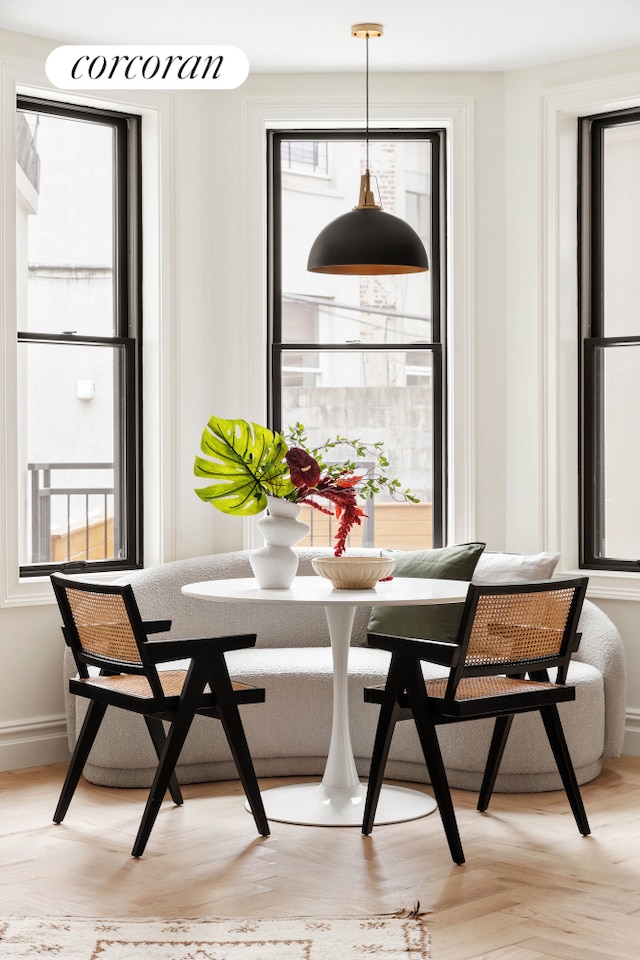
(127, 319)
(594, 342)
(436, 138)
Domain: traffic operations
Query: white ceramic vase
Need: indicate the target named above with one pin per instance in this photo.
(275, 565)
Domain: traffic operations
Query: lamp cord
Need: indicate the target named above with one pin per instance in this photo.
(367, 97)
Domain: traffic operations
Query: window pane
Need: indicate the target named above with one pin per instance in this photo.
(621, 219)
(71, 460)
(373, 396)
(65, 176)
(381, 309)
(619, 533)
(305, 156)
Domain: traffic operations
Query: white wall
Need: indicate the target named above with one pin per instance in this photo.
(210, 329)
(541, 110)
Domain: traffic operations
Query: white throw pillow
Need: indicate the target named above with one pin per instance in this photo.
(514, 567)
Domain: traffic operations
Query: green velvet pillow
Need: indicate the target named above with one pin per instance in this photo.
(430, 622)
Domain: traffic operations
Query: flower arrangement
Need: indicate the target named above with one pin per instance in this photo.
(245, 463)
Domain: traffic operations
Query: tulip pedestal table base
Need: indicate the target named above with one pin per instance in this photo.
(313, 804)
(339, 799)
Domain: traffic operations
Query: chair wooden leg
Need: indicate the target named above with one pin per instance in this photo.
(232, 725)
(433, 759)
(555, 733)
(173, 746)
(158, 738)
(229, 714)
(88, 733)
(181, 724)
(494, 759)
(387, 719)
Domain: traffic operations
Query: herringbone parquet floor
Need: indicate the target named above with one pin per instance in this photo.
(532, 887)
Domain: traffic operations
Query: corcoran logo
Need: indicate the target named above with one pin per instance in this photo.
(147, 67)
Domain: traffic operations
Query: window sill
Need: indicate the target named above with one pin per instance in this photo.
(609, 585)
(37, 591)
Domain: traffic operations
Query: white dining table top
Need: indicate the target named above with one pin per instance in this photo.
(400, 591)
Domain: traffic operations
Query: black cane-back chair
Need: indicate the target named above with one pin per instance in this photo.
(103, 627)
(509, 637)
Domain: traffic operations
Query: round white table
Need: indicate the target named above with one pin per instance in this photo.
(338, 800)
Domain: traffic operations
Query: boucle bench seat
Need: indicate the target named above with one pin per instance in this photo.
(289, 734)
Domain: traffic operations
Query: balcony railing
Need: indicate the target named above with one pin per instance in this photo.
(84, 533)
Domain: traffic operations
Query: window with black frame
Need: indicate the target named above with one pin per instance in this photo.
(362, 356)
(610, 336)
(79, 326)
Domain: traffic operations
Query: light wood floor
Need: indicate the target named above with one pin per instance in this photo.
(532, 887)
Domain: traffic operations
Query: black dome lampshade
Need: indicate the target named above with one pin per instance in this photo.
(367, 241)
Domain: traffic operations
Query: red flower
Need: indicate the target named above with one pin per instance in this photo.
(339, 490)
(348, 480)
(347, 510)
(303, 468)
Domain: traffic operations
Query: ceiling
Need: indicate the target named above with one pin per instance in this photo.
(282, 36)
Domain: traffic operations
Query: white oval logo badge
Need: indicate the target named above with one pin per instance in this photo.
(147, 67)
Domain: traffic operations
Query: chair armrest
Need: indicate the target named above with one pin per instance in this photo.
(156, 626)
(434, 651)
(162, 651)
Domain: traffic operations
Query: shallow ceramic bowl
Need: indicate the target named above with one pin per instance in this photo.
(354, 573)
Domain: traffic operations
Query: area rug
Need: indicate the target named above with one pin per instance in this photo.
(401, 936)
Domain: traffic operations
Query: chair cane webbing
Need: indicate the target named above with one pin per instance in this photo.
(516, 627)
(471, 688)
(103, 625)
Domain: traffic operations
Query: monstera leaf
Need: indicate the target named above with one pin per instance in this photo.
(245, 463)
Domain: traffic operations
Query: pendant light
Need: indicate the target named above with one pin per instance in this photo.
(367, 241)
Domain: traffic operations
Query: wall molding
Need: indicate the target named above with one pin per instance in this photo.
(631, 745)
(559, 109)
(161, 342)
(31, 743)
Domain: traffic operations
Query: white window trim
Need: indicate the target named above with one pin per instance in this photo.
(558, 411)
(456, 116)
(160, 343)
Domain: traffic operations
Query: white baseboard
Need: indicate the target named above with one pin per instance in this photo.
(631, 746)
(33, 742)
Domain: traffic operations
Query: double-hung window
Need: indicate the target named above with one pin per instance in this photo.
(610, 337)
(362, 356)
(79, 327)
